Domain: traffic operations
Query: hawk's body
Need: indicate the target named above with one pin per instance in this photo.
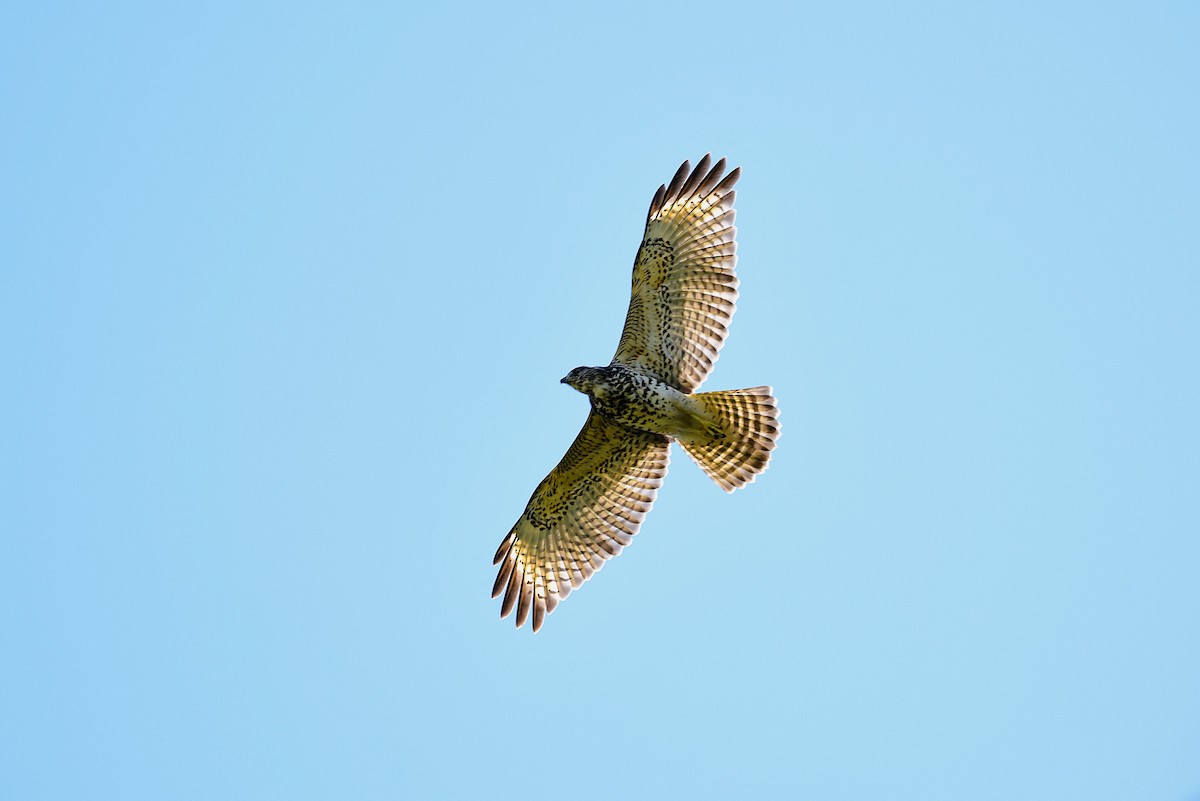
(642, 402)
(594, 501)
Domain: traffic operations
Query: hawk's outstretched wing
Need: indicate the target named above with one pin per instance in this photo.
(583, 513)
(684, 288)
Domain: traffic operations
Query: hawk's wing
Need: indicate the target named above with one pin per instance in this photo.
(583, 513)
(684, 288)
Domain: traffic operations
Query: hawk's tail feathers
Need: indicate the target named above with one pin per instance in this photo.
(750, 418)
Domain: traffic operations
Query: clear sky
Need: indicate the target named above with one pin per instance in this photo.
(286, 291)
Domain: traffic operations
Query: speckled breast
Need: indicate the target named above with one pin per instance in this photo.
(640, 401)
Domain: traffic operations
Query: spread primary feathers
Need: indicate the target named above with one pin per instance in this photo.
(594, 501)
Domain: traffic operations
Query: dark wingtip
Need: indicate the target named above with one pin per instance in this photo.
(524, 602)
(657, 202)
(696, 177)
(677, 181)
(502, 578)
(729, 180)
(710, 180)
(510, 595)
(502, 551)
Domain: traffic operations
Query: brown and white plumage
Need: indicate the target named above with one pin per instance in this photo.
(684, 287)
(594, 501)
(582, 514)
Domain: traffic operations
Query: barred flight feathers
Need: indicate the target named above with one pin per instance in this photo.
(581, 515)
(684, 288)
(750, 419)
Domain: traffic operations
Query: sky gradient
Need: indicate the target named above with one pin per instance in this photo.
(285, 296)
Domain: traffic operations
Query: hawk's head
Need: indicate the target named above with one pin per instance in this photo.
(581, 378)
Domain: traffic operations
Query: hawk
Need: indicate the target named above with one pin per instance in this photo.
(594, 501)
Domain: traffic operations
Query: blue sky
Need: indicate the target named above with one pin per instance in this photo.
(286, 292)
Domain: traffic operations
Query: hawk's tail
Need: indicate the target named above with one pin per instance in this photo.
(750, 419)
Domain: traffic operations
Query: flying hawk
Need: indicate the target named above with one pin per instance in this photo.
(594, 501)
